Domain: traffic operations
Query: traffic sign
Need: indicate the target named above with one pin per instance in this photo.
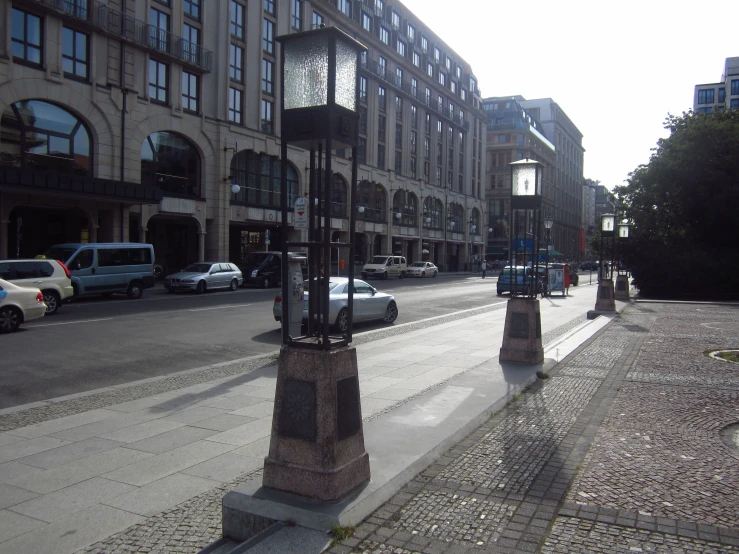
(301, 213)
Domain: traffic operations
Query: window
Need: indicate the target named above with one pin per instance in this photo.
(398, 162)
(268, 76)
(266, 116)
(473, 85)
(722, 95)
(416, 59)
(705, 96)
(170, 161)
(345, 7)
(398, 108)
(395, 20)
(158, 77)
(189, 92)
(430, 69)
(26, 36)
(381, 125)
(158, 29)
(438, 176)
(426, 167)
(428, 123)
(258, 175)
(414, 86)
(442, 79)
(74, 53)
(379, 7)
(384, 35)
(439, 153)
(381, 97)
(705, 110)
(381, 156)
(363, 89)
(297, 22)
(366, 23)
(414, 163)
(734, 87)
(44, 136)
(399, 76)
(439, 127)
(463, 94)
(191, 8)
(414, 142)
(268, 35)
(77, 8)
(269, 6)
(363, 120)
(400, 47)
(414, 115)
(317, 20)
(458, 71)
(734, 105)
(424, 44)
(191, 36)
(382, 63)
(411, 33)
(398, 135)
(236, 63)
(362, 150)
(453, 87)
(427, 148)
(235, 105)
(237, 19)
(451, 111)
(448, 63)
(437, 54)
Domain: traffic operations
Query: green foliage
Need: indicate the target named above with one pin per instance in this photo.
(340, 533)
(683, 205)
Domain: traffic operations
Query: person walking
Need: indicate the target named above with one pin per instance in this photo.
(484, 267)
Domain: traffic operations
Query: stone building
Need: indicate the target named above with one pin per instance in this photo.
(721, 95)
(129, 120)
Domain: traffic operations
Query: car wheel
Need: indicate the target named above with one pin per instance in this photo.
(435, 274)
(234, 284)
(265, 283)
(52, 301)
(500, 293)
(384, 276)
(10, 319)
(200, 289)
(342, 321)
(391, 313)
(134, 290)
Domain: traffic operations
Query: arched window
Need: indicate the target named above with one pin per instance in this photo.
(338, 196)
(171, 162)
(41, 135)
(456, 216)
(432, 213)
(405, 204)
(372, 198)
(260, 179)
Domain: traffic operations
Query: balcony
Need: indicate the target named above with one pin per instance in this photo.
(113, 23)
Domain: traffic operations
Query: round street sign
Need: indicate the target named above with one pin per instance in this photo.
(301, 213)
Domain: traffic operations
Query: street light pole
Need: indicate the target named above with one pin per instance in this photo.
(548, 222)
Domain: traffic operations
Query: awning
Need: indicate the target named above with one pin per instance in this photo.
(495, 250)
(553, 252)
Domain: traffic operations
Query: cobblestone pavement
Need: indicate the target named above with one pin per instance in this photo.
(626, 448)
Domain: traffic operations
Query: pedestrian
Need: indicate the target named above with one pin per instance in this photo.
(484, 267)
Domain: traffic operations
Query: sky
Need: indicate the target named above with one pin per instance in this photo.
(617, 69)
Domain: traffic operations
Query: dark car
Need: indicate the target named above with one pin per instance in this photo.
(264, 269)
(589, 266)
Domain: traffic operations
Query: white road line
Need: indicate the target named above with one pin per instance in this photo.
(220, 307)
(70, 322)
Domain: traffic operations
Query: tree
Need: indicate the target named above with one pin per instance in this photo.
(683, 207)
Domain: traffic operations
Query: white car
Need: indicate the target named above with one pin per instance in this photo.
(422, 269)
(18, 305)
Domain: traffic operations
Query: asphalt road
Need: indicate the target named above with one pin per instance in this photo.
(94, 342)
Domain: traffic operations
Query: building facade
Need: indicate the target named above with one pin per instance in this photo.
(588, 215)
(722, 95)
(130, 120)
(513, 134)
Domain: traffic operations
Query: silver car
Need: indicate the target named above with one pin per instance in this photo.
(422, 269)
(369, 304)
(204, 276)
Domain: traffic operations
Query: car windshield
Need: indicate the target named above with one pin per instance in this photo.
(197, 268)
(418, 264)
(507, 271)
(378, 260)
(255, 259)
(60, 253)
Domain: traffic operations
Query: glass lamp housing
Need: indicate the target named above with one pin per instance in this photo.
(607, 224)
(548, 222)
(526, 178)
(320, 83)
(623, 231)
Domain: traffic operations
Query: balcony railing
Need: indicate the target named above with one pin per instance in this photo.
(113, 22)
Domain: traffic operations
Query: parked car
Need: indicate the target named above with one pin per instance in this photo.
(574, 277)
(202, 276)
(518, 279)
(369, 304)
(422, 269)
(264, 269)
(18, 305)
(50, 276)
(385, 266)
(589, 266)
(107, 268)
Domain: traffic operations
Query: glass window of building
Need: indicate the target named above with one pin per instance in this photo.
(237, 19)
(158, 29)
(236, 63)
(437, 54)
(74, 53)
(442, 78)
(266, 114)
(705, 96)
(345, 7)
(171, 162)
(414, 142)
(411, 33)
(381, 97)
(384, 35)
(189, 92)
(398, 162)
(366, 23)
(430, 69)
(400, 47)
(295, 14)
(269, 6)
(317, 20)
(416, 59)
(381, 126)
(41, 135)
(268, 36)
(414, 115)
(398, 136)
(399, 76)
(191, 36)
(363, 120)
(382, 64)
(395, 19)
(268, 76)
(363, 88)
(26, 36)
(191, 8)
(424, 44)
(381, 156)
(158, 81)
(235, 105)
(259, 177)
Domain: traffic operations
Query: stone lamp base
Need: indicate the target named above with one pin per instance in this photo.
(522, 334)
(622, 288)
(316, 449)
(605, 301)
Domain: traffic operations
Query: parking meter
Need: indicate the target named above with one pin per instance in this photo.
(295, 292)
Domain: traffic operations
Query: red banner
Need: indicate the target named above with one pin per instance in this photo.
(582, 239)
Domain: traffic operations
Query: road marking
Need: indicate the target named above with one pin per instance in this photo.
(71, 322)
(220, 307)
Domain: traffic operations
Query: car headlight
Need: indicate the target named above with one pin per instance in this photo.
(254, 273)
(189, 281)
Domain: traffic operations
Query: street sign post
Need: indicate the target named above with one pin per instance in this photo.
(301, 213)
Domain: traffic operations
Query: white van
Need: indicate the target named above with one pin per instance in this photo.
(385, 266)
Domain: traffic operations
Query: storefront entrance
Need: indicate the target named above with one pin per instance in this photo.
(175, 241)
(245, 239)
(32, 230)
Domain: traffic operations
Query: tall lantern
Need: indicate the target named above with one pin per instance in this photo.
(526, 177)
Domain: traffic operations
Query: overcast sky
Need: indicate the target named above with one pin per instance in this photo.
(616, 69)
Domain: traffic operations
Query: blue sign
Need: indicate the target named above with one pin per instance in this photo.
(522, 245)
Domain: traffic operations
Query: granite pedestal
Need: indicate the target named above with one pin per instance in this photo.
(606, 301)
(622, 288)
(522, 334)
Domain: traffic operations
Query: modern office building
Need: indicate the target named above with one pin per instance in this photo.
(513, 134)
(719, 96)
(129, 120)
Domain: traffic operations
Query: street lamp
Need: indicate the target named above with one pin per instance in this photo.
(317, 441)
(548, 222)
(622, 278)
(522, 334)
(606, 299)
